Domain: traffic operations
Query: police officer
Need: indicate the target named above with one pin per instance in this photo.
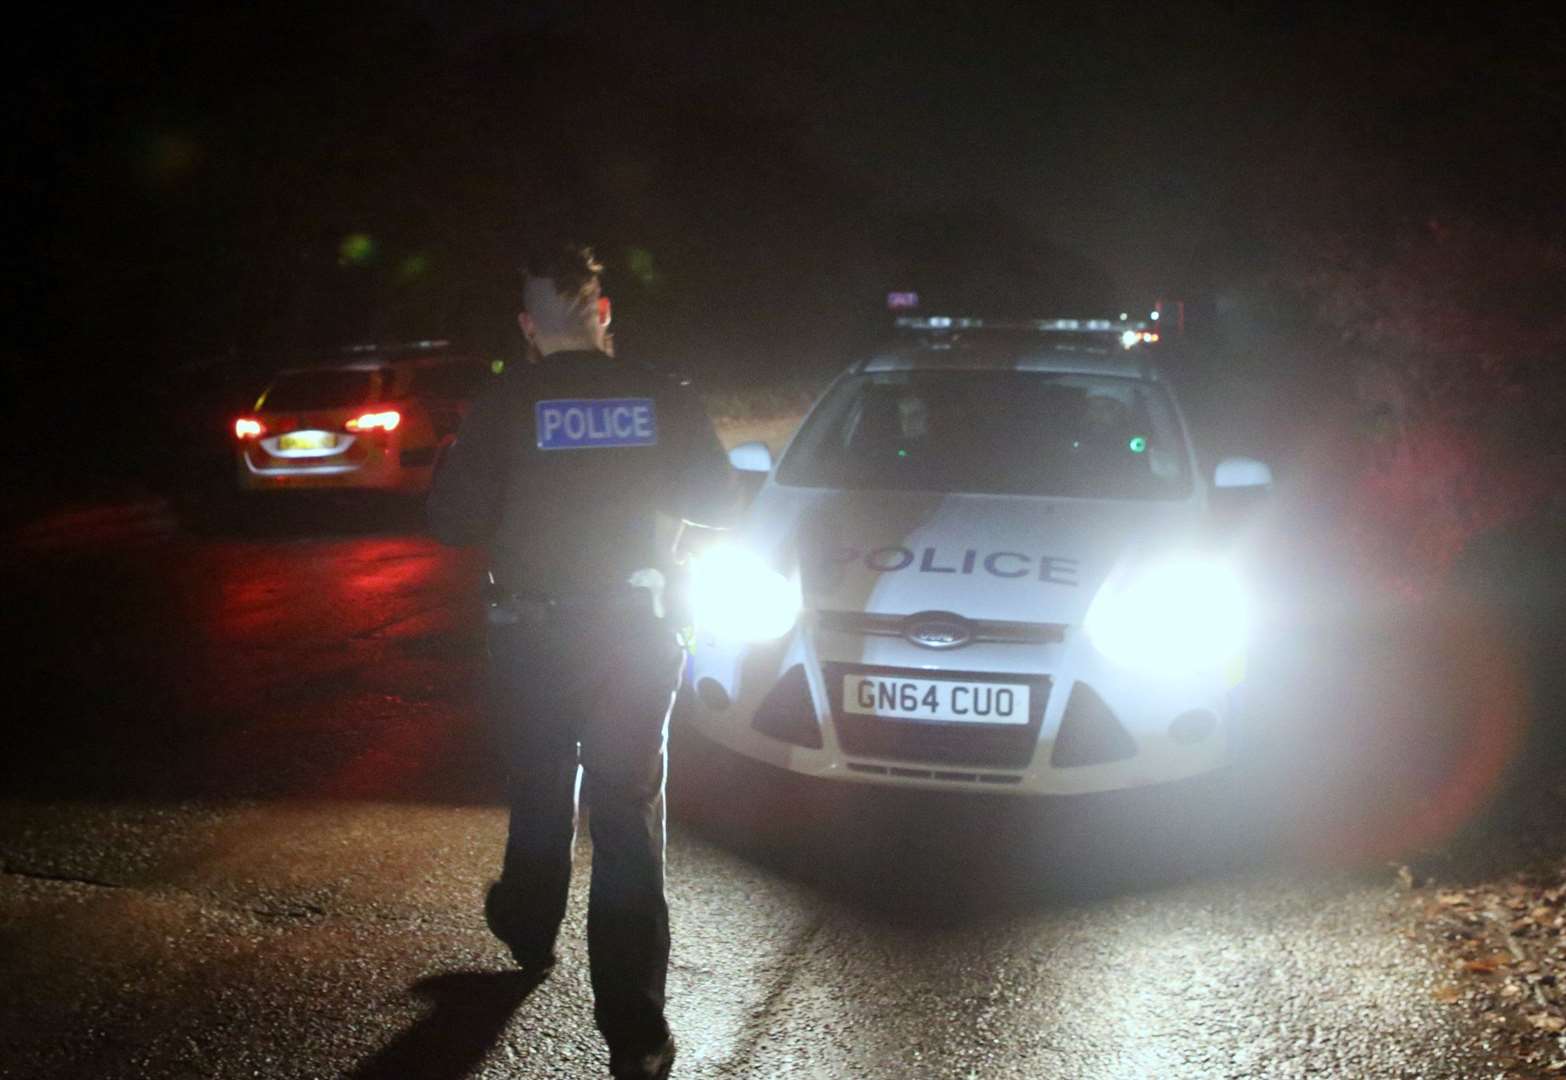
(560, 470)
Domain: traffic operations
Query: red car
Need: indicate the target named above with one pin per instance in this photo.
(379, 420)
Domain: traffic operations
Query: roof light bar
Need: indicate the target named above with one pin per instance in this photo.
(1079, 326)
(430, 343)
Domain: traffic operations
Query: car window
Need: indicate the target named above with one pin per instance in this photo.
(329, 388)
(993, 432)
(455, 380)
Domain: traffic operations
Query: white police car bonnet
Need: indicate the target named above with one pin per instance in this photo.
(563, 322)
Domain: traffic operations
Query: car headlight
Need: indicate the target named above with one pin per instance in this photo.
(1182, 614)
(736, 596)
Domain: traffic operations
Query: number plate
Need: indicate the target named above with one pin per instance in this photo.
(936, 700)
(307, 440)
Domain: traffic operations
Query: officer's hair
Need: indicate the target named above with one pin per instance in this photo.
(570, 266)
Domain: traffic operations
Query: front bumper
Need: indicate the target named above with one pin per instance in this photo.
(1093, 727)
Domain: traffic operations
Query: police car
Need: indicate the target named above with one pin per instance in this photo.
(377, 418)
(980, 563)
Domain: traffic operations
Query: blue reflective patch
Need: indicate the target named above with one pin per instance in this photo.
(588, 423)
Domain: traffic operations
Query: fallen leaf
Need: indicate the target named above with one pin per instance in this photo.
(1446, 994)
(1485, 965)
(1546, 1022)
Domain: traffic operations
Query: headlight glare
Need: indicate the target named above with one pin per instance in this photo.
(736, 596)
(1180, 615)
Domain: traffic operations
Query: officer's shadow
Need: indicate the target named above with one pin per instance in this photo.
(469, 1011)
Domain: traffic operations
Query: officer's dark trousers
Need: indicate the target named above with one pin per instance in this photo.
(590, 685)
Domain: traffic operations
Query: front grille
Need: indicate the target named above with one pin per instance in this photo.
(947, 775)
(997, 631)
(1006, 746)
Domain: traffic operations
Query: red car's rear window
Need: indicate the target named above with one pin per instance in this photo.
(297, 391)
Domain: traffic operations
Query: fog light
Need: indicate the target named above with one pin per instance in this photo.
(1193, 726)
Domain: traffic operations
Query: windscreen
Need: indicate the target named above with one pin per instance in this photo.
(297, 391)
(993, 432)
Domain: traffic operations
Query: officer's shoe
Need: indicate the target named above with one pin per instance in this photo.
(534, 960)
(652, 1065)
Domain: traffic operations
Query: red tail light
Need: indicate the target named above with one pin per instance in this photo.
(247, 427)
(376, 421)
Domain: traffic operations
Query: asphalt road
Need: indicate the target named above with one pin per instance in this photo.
(249, 811)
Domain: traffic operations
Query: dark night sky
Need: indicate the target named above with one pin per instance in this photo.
(188, 176)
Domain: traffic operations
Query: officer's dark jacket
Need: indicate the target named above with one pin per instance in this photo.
(560, 511)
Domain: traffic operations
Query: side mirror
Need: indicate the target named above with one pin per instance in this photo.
(751, 457)
(1242, 472)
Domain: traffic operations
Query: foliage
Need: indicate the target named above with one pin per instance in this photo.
(1448, 338)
